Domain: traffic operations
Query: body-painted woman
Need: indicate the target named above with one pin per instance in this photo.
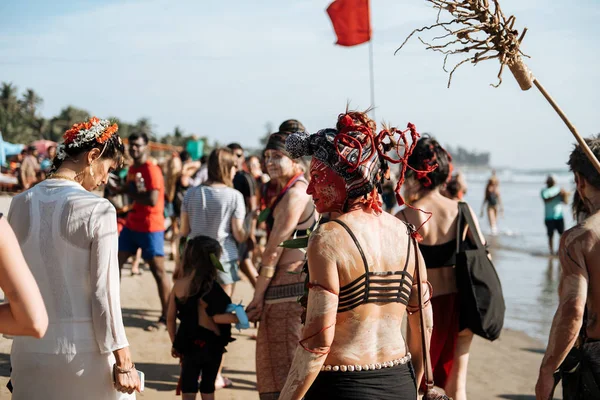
(360, 266)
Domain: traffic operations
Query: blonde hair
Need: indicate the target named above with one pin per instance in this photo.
(173, 169)
(220, 162)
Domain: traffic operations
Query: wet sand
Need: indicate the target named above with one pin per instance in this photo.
(504, 369)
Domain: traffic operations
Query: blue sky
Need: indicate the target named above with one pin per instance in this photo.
(226, 69)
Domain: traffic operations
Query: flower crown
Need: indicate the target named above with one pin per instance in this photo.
(97, 130)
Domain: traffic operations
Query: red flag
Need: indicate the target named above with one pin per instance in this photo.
(351, 21)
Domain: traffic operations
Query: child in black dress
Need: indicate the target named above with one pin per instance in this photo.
(205, 314)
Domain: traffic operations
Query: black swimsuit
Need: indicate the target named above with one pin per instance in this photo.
(492, 199)
(439, 255)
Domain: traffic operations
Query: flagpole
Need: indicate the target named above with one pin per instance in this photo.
(372, 79)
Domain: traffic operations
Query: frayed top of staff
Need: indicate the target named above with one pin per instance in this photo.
(478, 28)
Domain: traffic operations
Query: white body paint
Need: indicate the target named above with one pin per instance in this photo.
(367, 340)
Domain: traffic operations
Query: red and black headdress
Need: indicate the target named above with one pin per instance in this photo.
(357, 153)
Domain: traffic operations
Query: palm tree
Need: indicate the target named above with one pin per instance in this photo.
(124, 128)
(31, 121)
(64, 120)
(9, 110)
(143, 125)
(30, 102)
(176, 138)
(8, 97)
(178, 133)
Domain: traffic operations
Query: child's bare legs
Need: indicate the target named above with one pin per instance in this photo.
(456, 387)
(135, 265)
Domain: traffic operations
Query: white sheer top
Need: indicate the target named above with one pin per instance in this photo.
(70, 241)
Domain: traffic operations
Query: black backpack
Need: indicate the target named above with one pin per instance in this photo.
(479, 290)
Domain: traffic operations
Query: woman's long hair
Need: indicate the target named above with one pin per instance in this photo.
(220, 162)
(198, 262)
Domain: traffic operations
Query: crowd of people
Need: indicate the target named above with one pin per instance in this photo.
(30, 166)
(360, 272)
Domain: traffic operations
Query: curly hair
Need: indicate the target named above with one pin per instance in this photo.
(360, 155)
(429, 155)
(580, 164)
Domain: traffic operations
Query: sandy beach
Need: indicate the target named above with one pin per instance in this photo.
(504, 369)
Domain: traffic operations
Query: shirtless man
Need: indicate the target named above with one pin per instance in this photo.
(579, 288)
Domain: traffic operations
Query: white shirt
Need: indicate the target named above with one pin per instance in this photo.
(70, 242)
(210, 210)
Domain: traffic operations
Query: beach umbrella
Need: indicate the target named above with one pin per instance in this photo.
(479, 30)
(42, 145)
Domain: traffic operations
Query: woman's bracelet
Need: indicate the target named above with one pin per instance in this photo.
(124, 371)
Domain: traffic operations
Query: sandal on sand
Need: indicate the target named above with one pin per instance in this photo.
(226, 384)
(159, 326)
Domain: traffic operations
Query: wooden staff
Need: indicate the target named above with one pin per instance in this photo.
(500, 40)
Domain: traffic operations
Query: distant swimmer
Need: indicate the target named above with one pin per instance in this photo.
(493, 201)
(554, 197)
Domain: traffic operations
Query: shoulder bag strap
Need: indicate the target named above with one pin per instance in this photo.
(424, 342)
(459, 231)
(466, 212)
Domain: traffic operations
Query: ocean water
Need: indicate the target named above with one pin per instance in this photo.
(520, 252)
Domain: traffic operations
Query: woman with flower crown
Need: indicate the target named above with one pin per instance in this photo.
(361, 272)
(69, 238)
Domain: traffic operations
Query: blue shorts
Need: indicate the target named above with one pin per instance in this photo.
(151, 243)
(230, 275)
